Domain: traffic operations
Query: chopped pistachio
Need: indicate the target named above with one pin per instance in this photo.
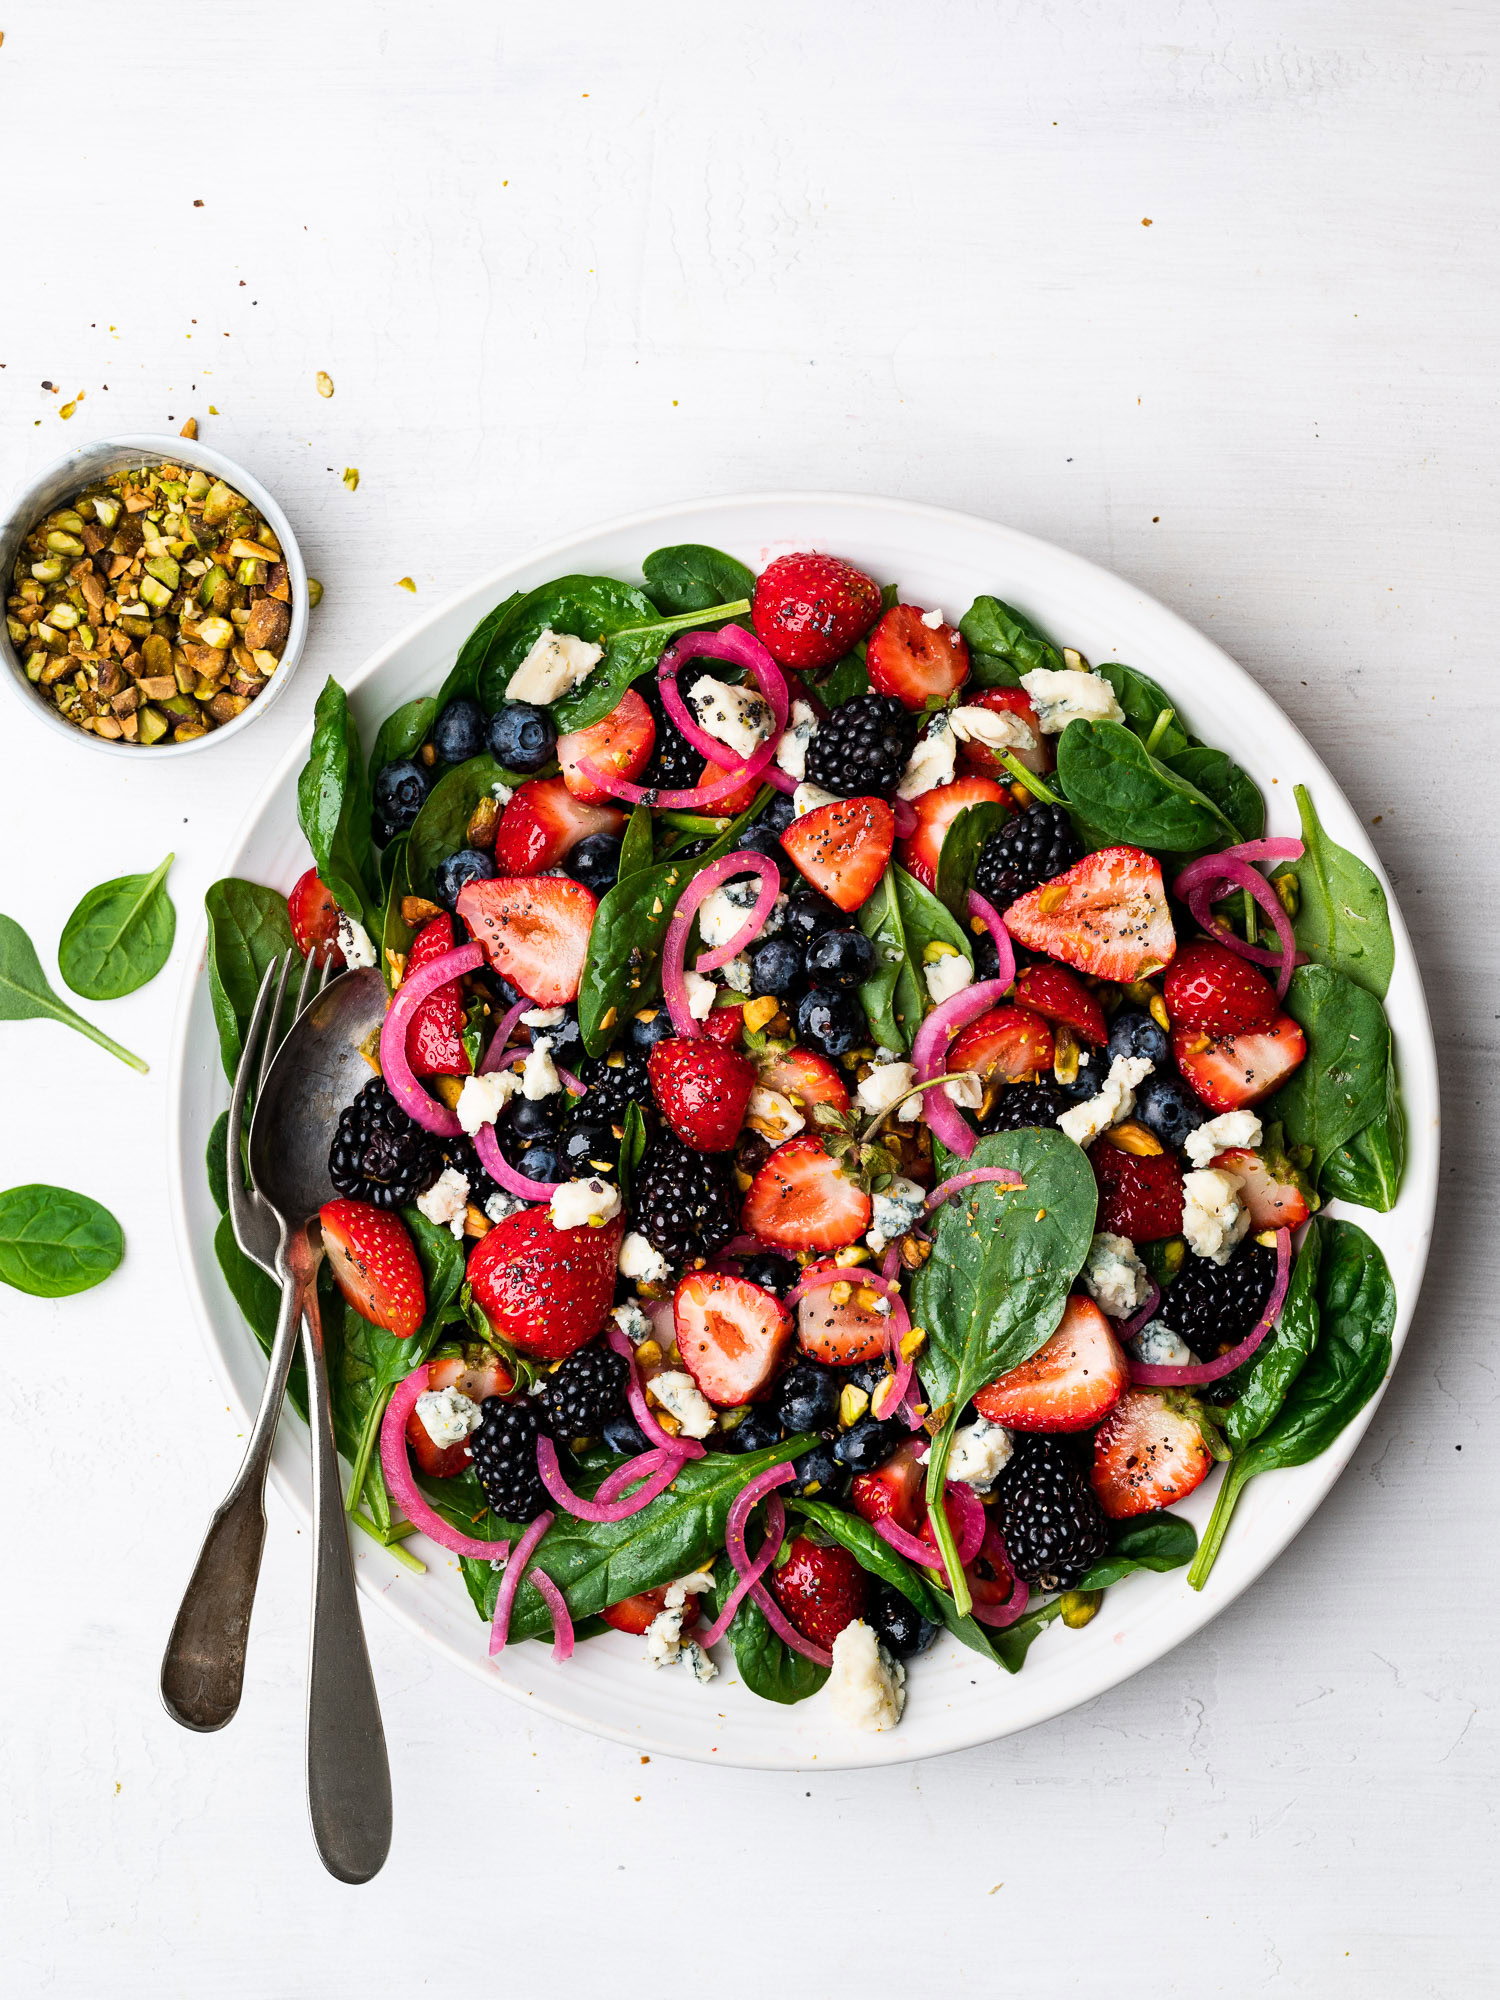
(324, 382)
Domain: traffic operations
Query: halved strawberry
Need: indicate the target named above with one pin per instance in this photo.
(1147, 1454)
(1229, 1071)
(800, 1201)
(1213, 991)
(544, 823)
(732, 1336)
(1040, 755)
(990, 1577)
(805, 1077)
(735, 802)
(808, 609)
(820, 1587)
(1007, 1043)
(936, 811)
(841, 1334)
(1270, 1187)
(1107, 915)
(375, 1263)
(726, 1024)
(1068, 1384)
(314, 917)
(636, 1614)
(843, 849)
(622, 744)
(915, 661)
(534, 930)
(434, 1045)
(476, 1374)
(1140, 1195)
(545, 1290)
(1055, 992)
(701, 1088)
(893, 1491)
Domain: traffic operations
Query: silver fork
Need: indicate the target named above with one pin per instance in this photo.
(203, 1670)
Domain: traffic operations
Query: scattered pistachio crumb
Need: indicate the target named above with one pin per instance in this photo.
(314, 591)
(351, 478)
(405, 583)
(189, 429)
(324, 382)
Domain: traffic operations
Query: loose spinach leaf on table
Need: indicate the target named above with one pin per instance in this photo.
(1357, 1310)
(893, 997)
(1146, 705)
(1343, 920)
(1367, 1169)
(1221, 781)
(1125, 794)
(333, 806)
(692, 577)
(54, 1242)
(1342, 1085)
(25, 994)
(959, 855)
(463, 676)
(1262, 1385)
(1009, 643)
(767, 1665)
(403, 733)
(119, 937)
(247, 928)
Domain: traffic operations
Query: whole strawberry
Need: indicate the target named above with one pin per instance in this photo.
(543, 1289)
(808, 610)
(1140, 1195)
(820, 1589)
(703, 1088)
(375, 1263)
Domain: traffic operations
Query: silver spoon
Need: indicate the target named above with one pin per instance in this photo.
(317, 1070)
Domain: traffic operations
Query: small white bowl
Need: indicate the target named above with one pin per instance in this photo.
(57, 483)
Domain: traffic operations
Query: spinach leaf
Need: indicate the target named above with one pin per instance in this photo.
(846, 679)
(1157, 1542)
(691, 577)
(441, 827)
(247, 928)
(1264, 1382)
(1368, 1168)
(333, 806)
(463, 677)
(1341, 1086)
(873, 1554)
(636, 847)
(1011, 643)
(25, 994)
(926, 920)
(1013, 1642)
(396, 934)
(768, 1666)
(1357, 1310)
(54, 1242)
(1126, 794)
(632, 1147)
(216, 1162)
(1145, 704)
(390, 856)
(1233, 791)
(1343, 921)
(119, 937)
(892, 997)
(959, 855)
(403, 733)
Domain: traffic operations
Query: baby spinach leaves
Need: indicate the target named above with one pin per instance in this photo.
(1126, 794)
(636, 848)
(333, 805)
(846, 679)
(959, 855)
(441, 827)
(693, 577)
(26, 995)
(1157, 1542)
(54, 1242)
(1343, 920)
(901, 919)
(1233, 792)
(1368, 1168)
(1341, 1087)
(768, 1666)
(463, 677)
(119, 937)
(1004, 644)
(403, 733)
(247, 928)
(1149, 710)
(1265, 1380)
(1357, 1310)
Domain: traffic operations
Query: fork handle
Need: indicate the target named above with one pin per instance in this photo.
(203, 1669)
(348, 1771)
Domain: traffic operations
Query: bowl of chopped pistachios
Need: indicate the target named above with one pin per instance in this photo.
(155, 596)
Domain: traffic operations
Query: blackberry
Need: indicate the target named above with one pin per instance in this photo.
(503, 1449)
(1027, 851)
(683, 1203)
(583, 1394)
(863, 747)
(1213, 1306)
(461, 1154)
(1047, 1514)
(614, 1082)
(674, 764)
(379, 1155)
(1021, 1104)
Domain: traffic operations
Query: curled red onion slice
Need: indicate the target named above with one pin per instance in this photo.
(1132, 1326)
(972, 1177)
(754, 924)
(785, 1630)
(1151, 1375)
(661, 1471)
(403, 1488)
(970, 1506)
(499, 1169)
(927, 1555)
(930, 1054)
(745, 861)
(640, 1409)
(906, 818)
(614, 1483)
(1020, 1593)
(562, 1623)
(510, 1583)
(994, 923)
(397, 1071)
(499, 1051)
(750, 1570)
(1202, 882)
(897, 1323)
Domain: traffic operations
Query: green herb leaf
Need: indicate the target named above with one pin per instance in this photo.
(333, 806)
(247, 927)
(25, 994)
(54, 1242)
(958, 858)
(692, 577)
(1344, 920)
(119, 937)
(1011, 643)
(1341, 1086)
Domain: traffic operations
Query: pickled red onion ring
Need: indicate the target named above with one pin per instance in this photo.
(994, 923)
(403, 1488)
(930, 1054)
(750, 1570)
(640, 1409)
(744, 861)
(400, 1079)
(499, 1169)
(1156, 1376)
(660, 1474)
(510, 1582)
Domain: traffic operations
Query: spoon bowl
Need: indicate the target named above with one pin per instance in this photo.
(317, 1071)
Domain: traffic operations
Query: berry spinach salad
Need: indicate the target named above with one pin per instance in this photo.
(845, 1151)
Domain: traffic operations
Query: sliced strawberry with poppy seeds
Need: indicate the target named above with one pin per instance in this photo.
(476, 1376)
(805, 1077)
(621, 744)
(702, 1089)
(1213, 991)
(534, 930)
(1069, 1384)
(1107, 916)
(808, 609)
(543, 1289)
(800, 1201)
(637, 1614)
(1140, 1194)
(1148, 1453)
(1038, 755)
(1270, 1187)
(314, 917)
(915, 661)
(1060, 995)
(841, 1323)
(1230, 1071)
(936, 811)
(374, 1262)
(1007, 1043)
(732, 1336)
(820, 1588)
(843, 848)
(434, 1040)
(544, 822)
(894, 1491)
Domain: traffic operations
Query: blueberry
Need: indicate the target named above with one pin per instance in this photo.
(868, 1443)
(819, 1475)
(623, 1433)
(521, 736)
(458, 733)
(650, 1026)
(1089, 1081)
(840, 958)
(868, 1375)
(566, 1039)
(831, 1020)
(454, 874)
(776, 968)
(1133, 1033)
(531, 1118)
(765, 840)
(808, 915)
(589, 1146)
(773, 1274)
(896, 1621)
(807, 1397)
(595, 862)
(1165, 1105)
(761, 1427)
(542, 1162)
(399, 791)
(780, 813)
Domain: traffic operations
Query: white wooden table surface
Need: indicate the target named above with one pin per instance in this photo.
(1206, 292)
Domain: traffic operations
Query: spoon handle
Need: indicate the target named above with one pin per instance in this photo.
(203, 1669)
(348, 1772)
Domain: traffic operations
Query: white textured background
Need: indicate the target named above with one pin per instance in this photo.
(562, 263)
